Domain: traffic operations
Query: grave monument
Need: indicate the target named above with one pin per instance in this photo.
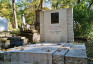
(3, 24)
(57, 25)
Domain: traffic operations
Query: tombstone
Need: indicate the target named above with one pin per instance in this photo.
(23, 21)
(3, 24)
(57, 25)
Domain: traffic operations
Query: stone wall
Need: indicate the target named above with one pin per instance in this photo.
(59, 32)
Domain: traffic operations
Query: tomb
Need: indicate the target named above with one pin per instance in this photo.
(3, 24)
(56, 32)
(45, 53)
(57, 25)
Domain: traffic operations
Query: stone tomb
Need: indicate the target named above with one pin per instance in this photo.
(47, 53)
(9, 42)
(57, 25)
(3, 24)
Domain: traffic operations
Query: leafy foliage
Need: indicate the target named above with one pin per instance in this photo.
(82, 20)
(6, 9)
(62, 3)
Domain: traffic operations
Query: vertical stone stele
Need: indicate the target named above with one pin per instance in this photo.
(57, 26)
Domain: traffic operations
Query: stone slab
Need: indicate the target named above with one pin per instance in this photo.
(59, 55)
(75, 60)
(68, 45)
(77, 51)
(7, 56)
(35, 58)
(46, 53)
(50, 44)
(35, 55)
(1, 55)
(32, 53)
(76, 55)
(3, 62)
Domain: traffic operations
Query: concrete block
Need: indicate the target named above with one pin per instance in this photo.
(59, 55)
(14, 56)
(76, 55)
(7, 56)
(2, 55)
(46, 53)
(35, 58)
(3, 62)
(68, 45)
(35, 55)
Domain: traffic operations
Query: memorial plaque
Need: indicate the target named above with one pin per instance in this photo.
(54, 18)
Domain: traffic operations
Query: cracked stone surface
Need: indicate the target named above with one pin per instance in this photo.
(46, 53)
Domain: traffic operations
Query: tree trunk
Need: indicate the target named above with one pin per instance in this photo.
(41, 4)
(15, 25)
(90, 5)
(78, 1)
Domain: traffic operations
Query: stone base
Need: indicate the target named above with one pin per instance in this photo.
(47, 53)
(75, 60)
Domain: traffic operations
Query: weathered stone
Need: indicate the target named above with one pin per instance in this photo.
(2, 62)
(70, 25)
(35, 55)
(15, 41)
(59, 55)
(76, 55)
(51, 44)
(57, 32)
(75, 60)
(35, 58)
(25, 40)
(7, 44)
(36, 37)
(1, 55)
(7, 56)
(5, 34)
(68, 45)
(14, 56)
(3, 24)
(46, 53)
